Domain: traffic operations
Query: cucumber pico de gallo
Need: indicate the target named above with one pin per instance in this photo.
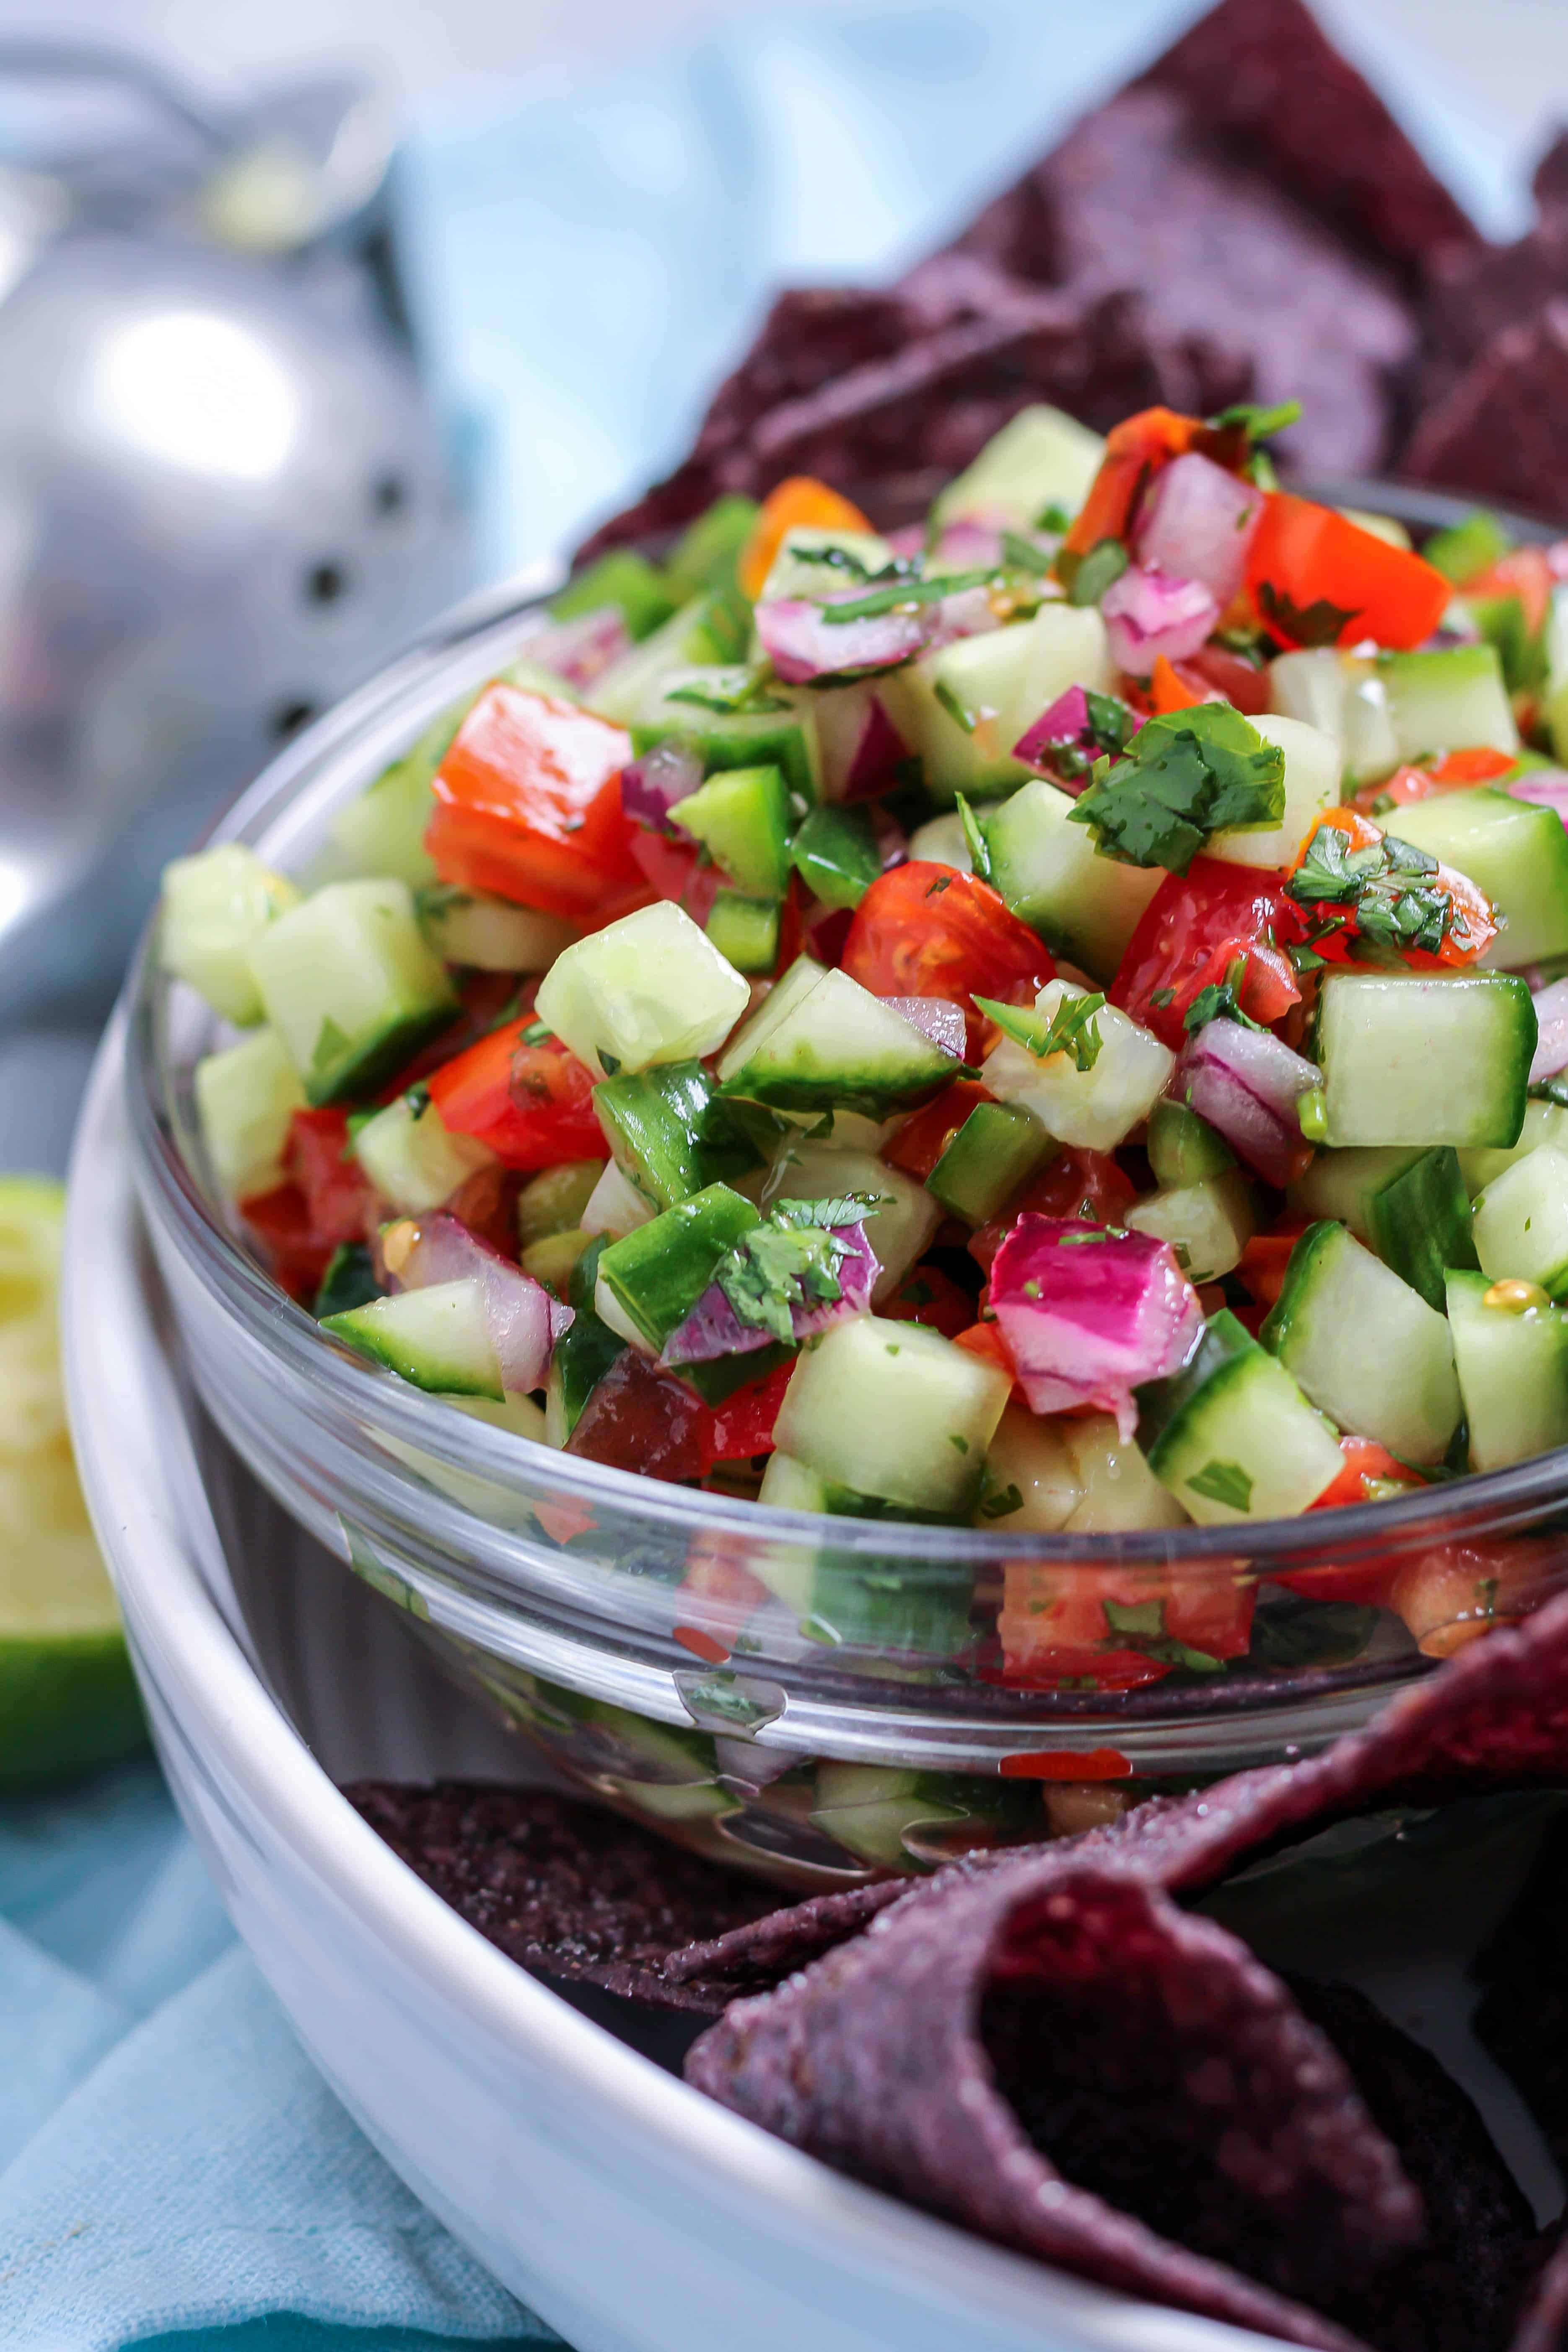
(1047, 1020)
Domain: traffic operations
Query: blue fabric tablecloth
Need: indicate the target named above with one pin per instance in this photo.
(586, 255)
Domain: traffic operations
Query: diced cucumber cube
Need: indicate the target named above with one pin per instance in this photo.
(944, 841)
(1364, 1347)
(1342, 698)
(1312, 785)
(650, 1280)
(1516, 851)
(994, 1154)
(624, 579)
(741, 818)
(468, 927)
(1544, 1122)
(898, 1231)
(615, 1205)
(817, 563)
(778, 730)
(744, 930)
(1513, 1374)
(1344, 1184)
(1419, 1223)
(438, 1338)
(1032, 1486)
(1309, 686)
(1522, 1223)
(553, 1202)
(351, 986)
(822, 1041)
(245, 1096)
(383, 832)
(894, 1410)
(1094, 1108)
(215, 906)
(670, 1133)
(704, 555)
(1409, 1059)
(412, 1159)
(835, 854)
(650, 988)
(1209, 1225)
(1120, 1492)
(1184, 1149)
(997, 684)
(1466, 548)
(1238, 1440)
(1040, 461)
(1367, 736)
(1083, 905)
(1448, 701)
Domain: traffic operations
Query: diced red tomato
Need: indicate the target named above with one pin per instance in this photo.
(1471, 929)
(1246, 684)
(1194, 929)
(792, 925)
(324, 1200)
(1425, 782)
(1088, 1184)
(1054, 1627)
(531, 1104)
(1308, 563)
(928, 1296)
(1263, 1260)
(1525, 572)
(1462, 1589)
(799, 503)
(925, 1135)
(486, 1202)
(528, 805)
(743, 1423)
(718, 1594)
(1368, 1467)
(640, 1419)
(925, 929)
(1135, 450)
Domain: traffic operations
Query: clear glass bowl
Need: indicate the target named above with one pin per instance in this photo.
(823, 1700)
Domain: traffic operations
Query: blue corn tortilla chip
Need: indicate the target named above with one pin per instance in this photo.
(1543, 2325)
(953, 2054)
(566, 1889)
(1498, 433)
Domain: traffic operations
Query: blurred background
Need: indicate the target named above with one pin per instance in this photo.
(313, 317)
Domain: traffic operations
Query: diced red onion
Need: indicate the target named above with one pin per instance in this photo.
(1557, 559)
(1064, 726)
(803, 646)
(1548, 786)
(713, 1328)
(861, 748)
(908, 539)
(581, 649)
(967, 613)
(1248, 1084)
(1197, 523)
(651, 786)
(1551, 1052)
(935, 1017)
(970, 543)
(1089, 1314)
(1148, 613)
(524, 1320)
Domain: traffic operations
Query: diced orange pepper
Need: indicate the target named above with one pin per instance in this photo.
(1169, 690)
(1135, 450)
(1304, 556)
(1260, 1269)
(1471, 929)
(800, 503)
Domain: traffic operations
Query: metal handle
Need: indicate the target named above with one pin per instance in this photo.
(99, 61)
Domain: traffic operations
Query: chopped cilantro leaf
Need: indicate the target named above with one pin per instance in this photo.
(1002, 1506)
(1215, 1003)
(774, 1268)
(1317, 623)
(1388, 910)
(906, 591)
(1181, 778)
(1072, 1028)
(1257, 421)
(731, 693)
(979, 848)
(957, 709)
(1052, 518)
(1104, 564)
(1022, 555)
(1224, 1481)
(842, 1209)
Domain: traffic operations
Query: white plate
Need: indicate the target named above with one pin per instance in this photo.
(635, 2215)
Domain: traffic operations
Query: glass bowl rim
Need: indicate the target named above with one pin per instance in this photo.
(1499, 1501)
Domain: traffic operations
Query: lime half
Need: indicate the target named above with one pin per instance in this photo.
(68, 1700)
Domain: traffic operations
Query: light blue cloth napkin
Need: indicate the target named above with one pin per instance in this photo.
(586, 257)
